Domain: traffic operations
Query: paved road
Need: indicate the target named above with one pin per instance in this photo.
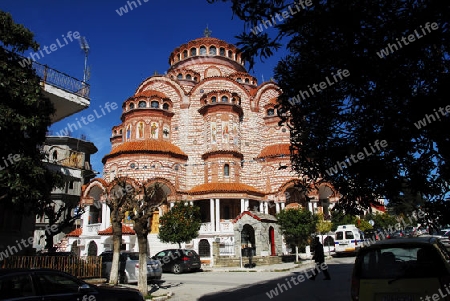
(248, 286)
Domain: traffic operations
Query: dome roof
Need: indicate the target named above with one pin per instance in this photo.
(275, 150)
(147, 147)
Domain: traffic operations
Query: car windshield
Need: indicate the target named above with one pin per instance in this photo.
(404, 262)
(133, 256)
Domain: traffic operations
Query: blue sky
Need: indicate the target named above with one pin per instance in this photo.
(124, 50)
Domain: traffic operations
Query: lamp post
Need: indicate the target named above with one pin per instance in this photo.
(240, 228)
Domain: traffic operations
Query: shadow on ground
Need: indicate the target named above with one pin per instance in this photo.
(283, 288)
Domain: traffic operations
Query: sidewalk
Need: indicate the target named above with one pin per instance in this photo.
(305, 261)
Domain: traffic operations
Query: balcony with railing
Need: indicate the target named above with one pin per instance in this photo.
(68, 94)
(224, 227)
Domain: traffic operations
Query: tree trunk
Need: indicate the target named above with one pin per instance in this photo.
(142, 281)
(117, 243)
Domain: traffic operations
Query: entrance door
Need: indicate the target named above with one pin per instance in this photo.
(272, 241)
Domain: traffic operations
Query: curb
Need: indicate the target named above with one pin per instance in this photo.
(162, 298)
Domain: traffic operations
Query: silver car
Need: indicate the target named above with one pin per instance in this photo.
(129, 267)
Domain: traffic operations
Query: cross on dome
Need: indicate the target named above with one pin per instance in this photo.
(207, 33)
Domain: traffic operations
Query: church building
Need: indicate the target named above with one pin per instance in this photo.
(208, 132)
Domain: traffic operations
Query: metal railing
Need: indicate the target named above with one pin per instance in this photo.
(61, 80)
(56, 78)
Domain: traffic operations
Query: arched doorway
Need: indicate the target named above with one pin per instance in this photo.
(272, 241)
(293, 195)
(92, 249)
(76, 248)
(204, 249)
(248, 236)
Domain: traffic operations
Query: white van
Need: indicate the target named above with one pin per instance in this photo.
(348, 239)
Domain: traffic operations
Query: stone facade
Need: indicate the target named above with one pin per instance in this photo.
(209, 133)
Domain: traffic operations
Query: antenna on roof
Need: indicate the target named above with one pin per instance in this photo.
(85, 47)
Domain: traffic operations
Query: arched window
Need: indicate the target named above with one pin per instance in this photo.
(226, 170)
(120, 132)
(179, 56)
(165, 106)
(195, 78)
(239, 80)
(213, 99)
(222, 51)
(188, 77)
(212, 50)
(185, 54)
(202, 50)
(224, 99)
(142, 104)
(180, 76)
(204, 249)
(230, 54)
(128, 132)
(270, 112)
(193, 51)
(131, 106)
(247, 81)
(154, 104)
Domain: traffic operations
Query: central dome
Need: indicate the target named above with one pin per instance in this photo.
(206, 49)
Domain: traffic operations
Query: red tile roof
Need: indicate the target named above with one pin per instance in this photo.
(275, 150)
(223, 187)
(75, 233)
(246, 213)
(147, 146)
(125, 231)
(151, 93)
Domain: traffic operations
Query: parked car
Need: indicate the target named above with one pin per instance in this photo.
(444, 238)
(48, 284)
(410, 231)
(179, 260)
(400, 269)
(396, 234)
(129, 267)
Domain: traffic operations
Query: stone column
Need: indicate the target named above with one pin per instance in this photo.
(172, 204)
(261, 207)
(215, 252)
(191, 203)
(242, 205)
(217, 215)
(86, 216)
(211, 213)
(246, 204)
(266, 207)
(277, 207)
(283, 205)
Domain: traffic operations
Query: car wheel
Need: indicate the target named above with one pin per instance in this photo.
(177, 269)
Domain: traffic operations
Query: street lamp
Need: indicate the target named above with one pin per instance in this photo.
(240, 228)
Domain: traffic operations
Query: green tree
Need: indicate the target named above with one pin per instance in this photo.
(364, 83)
(363, 225)
(180, 224)
(297, 225)
(323, 226)
(382, 220)
(25, 182)
(340, 218)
